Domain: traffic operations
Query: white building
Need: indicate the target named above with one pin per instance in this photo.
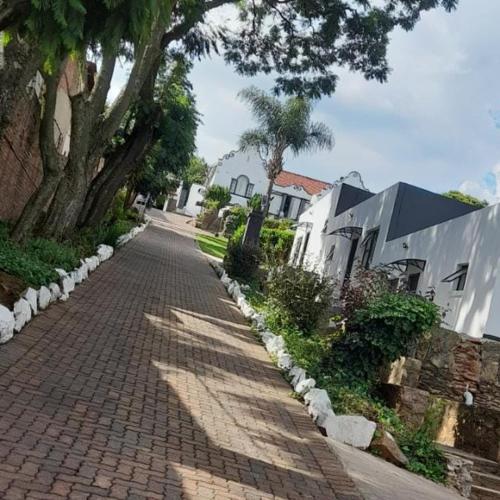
(244, 174)
(432, 245)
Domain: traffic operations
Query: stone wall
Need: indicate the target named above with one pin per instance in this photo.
(451, 361)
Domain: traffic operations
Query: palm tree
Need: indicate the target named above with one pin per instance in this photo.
(281, 126)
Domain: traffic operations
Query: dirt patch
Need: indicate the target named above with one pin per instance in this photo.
(11, 289)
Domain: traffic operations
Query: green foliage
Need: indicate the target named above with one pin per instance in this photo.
(34, 261)
(212, 245)
(175, 134)
(305, 297)
(241, 261)
(276, 245)
(281, 224)
(255, 202)
(234, 218)
(349, 389)
(466, 198)
(386, 327)
(219, 196)
(196, 171)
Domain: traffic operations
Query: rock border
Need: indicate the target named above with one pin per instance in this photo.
(349, 429)
(33, 301)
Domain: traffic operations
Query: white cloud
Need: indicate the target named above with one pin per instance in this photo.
(488, 188)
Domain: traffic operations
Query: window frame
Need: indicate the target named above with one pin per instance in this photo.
(369, 245)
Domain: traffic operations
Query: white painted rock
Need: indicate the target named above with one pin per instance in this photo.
(61, 272)
(267, 336)
(76, 275)
(276, 344)
(353, 430)
(247, 310)
(55, 292)
(258, 321)
(319, 405)
(7, 323)
(84, 271)
(285, 361)
(32, 297)
(304, 386)
(124, 238)
(64, 297)
(43, 297)
(22, 314)
(236, 292)
(226, 280)
(298, 374)
(67, 285)
(92, 263)
(104, 252)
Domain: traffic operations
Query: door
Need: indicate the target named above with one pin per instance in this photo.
(350, 260)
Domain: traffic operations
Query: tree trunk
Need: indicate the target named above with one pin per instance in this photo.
(129, 197)
(12, 12)
(268, 197)
(118, 166)
(52, 161)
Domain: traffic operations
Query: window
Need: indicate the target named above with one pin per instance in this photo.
(350, 260)
(369, 243)
(241, 186)
(304, 249)
(296, 250)
(458, 278)
(461, 280)
(412, 285)
(329, 257)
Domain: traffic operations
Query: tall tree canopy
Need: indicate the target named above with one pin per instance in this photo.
(301, 42)
(281, 126)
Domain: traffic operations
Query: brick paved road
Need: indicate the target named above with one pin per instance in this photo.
(147, 383)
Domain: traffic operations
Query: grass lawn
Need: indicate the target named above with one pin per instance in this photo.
(211, 245)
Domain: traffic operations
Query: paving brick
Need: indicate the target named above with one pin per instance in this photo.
(147, 383)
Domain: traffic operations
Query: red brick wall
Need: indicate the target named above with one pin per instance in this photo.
(20, 164)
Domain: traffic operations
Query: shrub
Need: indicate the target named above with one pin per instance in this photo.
(219, 196)
(53, 253)
(388, 326)
(241, 261)
(160, 201)
(276, 245)
(282, 224)
(255, 202)
(234, 218)
(304, 296)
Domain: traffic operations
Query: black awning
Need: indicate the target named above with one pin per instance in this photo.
(456, 275)
(403, 265)
(349, 232)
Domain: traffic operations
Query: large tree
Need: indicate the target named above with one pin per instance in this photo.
(302, 42)
(282, 126)
(157, 139)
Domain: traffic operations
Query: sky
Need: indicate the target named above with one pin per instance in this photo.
(434, 123)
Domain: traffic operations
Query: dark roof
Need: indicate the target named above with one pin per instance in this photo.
(416, 209)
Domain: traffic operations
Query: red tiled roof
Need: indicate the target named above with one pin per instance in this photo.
(311, 186)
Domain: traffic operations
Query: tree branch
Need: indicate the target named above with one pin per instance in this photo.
(97, 99)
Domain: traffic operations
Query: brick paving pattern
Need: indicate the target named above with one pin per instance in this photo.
(148, 383)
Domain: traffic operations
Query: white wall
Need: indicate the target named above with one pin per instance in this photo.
(472, 239)
(241, 163)
(196, 194)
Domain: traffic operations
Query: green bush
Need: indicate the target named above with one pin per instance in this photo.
(275, 244)
(241, 261)
(255, 202)
(388, 326)
(53, 253)
(305, 297)
(282, 224)
(234, 218)
(219, 196)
